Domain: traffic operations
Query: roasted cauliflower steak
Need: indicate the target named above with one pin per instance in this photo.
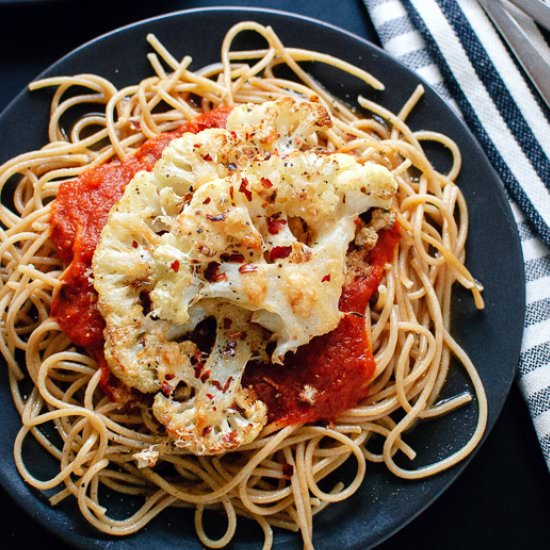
(250, 225)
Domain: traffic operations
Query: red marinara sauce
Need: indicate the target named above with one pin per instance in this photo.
(78, 216)
(330, 374)
(337, 365)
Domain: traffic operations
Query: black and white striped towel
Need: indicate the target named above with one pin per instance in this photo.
(455, 48)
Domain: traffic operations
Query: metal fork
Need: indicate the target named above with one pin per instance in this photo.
(535, 66)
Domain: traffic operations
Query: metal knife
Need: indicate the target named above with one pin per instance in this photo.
(534, 64)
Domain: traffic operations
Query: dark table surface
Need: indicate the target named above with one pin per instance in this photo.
(502, 500)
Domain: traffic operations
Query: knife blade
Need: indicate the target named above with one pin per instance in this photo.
(534, 65)
(536, 9)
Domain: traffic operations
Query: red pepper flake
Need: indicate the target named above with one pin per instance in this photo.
(206, 431)
(205, 375)
(135, 244)
(244, 189)
(236, 258)
(266, 182)
(198, 369)
(274, 224)
(210, 396)
(170, 376)
(232, 194)
(216, 218)
(166, 388)
(279, 252)
(211, 271)
(217, 384)
(326, 278)
(359, 222)
(248, 268)
(207, 157)
(206, 200)
(175, 265)
(227, 383)
(230, 438)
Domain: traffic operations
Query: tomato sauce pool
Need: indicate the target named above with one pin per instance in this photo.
(324, 378)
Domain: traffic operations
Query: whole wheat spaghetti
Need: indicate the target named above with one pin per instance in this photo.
(276, 479)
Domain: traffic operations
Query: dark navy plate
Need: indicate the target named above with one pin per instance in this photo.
(384, 503)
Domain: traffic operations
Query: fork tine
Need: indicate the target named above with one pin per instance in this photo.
(536, 9)
(534, 65)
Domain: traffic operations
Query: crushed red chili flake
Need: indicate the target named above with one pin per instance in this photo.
(275, 224)
(248, 268)
(210, 396)
(232, 193)
(244, 189)
(227, 384)
(175, 265)
(237, 258)
(170, 376)
(217, 384)
(198, 369)
(217, 218)
(206, 200)
(279, 252)
(135, 244)
(206, 430)
(211, 273)
(266, 182)
(326, 278)
(231, 437)
(207, 157)
(211, 270)
(166, 388)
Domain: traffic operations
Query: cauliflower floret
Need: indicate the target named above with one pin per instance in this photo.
(211, 232)
(285, 125)
(222, 415)
(147, 458)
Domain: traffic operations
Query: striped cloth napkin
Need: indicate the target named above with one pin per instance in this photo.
(453, 46)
